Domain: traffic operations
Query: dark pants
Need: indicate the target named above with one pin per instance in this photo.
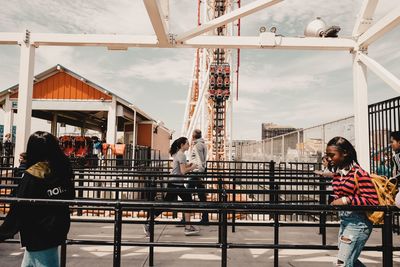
(197, 183)
(173, 196)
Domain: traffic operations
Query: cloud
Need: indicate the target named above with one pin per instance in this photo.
(299, 88)
(177, 70)
(179, 101)
(95, 16)
(248, 105)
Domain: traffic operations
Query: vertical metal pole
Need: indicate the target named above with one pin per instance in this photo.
(276, 239)
(224, 240)
(361, 111)
(117, 235)
(272, 181)
(234, 200)
(322, 201)
(80, 191)
(387, 239)
(25, 89)
(275, 200)
(151, 247)
(63, 255)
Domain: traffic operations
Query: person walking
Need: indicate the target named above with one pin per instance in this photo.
(199, 157)
(179, 167)
(42, 227)
(351, 186)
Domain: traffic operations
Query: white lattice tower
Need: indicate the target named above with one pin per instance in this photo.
(201, 111)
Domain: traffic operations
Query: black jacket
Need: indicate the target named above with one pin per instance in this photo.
(40, 226)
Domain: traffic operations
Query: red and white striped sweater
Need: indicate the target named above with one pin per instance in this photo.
(344, 186)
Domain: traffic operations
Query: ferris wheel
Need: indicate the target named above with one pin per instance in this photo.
(215, 73)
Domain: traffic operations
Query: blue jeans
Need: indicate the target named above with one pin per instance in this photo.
(355, 229)
(42, 258)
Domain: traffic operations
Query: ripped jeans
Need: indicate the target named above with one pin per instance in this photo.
(355, 229)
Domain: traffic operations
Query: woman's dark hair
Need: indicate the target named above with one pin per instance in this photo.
(176, 145)
(43, 146)
(344, 146)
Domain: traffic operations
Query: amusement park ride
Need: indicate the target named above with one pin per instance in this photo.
(209, 101)
(209, 106)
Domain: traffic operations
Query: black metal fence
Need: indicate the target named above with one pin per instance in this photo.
(298, 195)
(384, 118)
(223, 209)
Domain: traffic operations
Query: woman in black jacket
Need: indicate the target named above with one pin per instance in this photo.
(42, 227)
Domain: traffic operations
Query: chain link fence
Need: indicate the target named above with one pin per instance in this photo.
(305, 145)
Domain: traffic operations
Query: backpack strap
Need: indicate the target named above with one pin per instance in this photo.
(356, 182)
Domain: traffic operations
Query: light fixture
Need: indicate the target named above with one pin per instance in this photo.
(158, 124)
(318, 28)
(315, 28)
(263, 29)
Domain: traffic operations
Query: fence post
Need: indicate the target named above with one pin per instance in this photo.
(151, 247)
(387, 239)
(322, 218)
(117, 235)
(80, 191)
(272, 181)
(224, 239)
(274, 199)
(63, 255)
(234, 200)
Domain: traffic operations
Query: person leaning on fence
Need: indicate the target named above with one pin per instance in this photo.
(179, 167)
(326, 171)
(355, 227)
(395, 144)
(42, 227)
(19, 171)
(8, 149)
(199, 156)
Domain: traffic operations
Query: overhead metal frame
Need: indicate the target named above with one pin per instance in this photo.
(364, 34)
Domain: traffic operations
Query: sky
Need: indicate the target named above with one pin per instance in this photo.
(296, 88)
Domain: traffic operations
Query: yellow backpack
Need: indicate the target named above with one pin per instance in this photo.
(386, 189)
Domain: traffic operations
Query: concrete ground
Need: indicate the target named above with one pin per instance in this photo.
(91, 255)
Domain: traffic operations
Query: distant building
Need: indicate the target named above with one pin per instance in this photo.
(236, 148)
(269, 130)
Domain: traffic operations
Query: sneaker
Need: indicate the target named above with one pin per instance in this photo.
(191, 230)
(181, 223)
(146, 229)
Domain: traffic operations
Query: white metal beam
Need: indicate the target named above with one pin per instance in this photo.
(364, 18)
(379, 70)
(185, 123)
(250, 42)
(277, 42)
(25, 89)
(360, 100)
(11, 38)
(195, 117)
(224, 19)
(94, 40)
(8, 116)
(112, 122)
(69, 105)
(384, 25)
(158, 20)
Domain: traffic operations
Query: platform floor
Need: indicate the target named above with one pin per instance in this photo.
(77, 255)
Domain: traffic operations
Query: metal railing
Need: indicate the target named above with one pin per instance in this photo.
(223, 208)
(383, 118)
